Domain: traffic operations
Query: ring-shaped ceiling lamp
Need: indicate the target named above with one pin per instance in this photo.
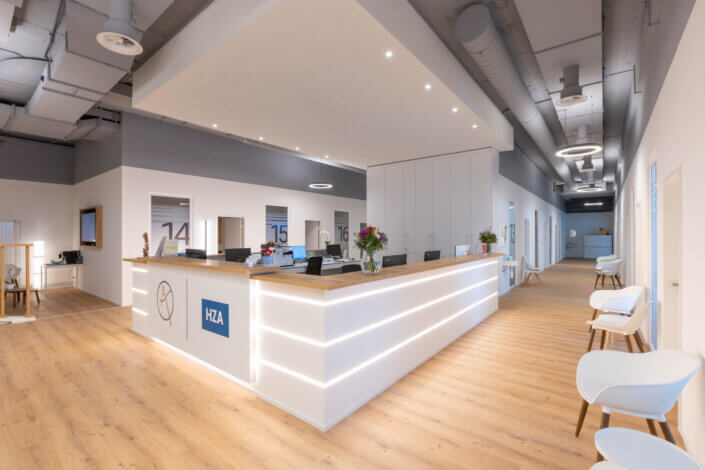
(578, 150)
(320, 185)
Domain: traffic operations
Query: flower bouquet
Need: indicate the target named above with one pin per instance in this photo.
(371, 241)
(487, 238)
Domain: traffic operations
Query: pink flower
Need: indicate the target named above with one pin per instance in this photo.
(376, 234)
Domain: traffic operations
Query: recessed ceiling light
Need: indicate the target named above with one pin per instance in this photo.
(320, 185)
(215, 125)
(326, 156)
(388, 54)
(297, 149)
(261, 138)
(455, 109)
(474, 126)
(587, 204)
(428, 86)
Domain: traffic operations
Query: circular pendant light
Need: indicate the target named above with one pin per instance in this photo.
(578, 150)
(591, 188)
(320, 185)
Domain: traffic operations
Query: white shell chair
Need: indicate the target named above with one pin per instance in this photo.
(616, 304)
(609, 268)
(531, 272)
(641, 385)
(601, 259)
(608, 466)
(627, 448)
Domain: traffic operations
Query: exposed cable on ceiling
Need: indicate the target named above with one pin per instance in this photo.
(59, 15)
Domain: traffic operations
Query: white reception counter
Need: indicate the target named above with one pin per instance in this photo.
(317, 347)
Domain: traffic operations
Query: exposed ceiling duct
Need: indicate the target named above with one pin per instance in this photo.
(572, 92)
(118, 34)
(477, 32)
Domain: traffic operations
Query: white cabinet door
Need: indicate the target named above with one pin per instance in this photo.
(480, 195)
(441, 205)
(409, 218)
(460, 199)
(423, 185)
(375, 195)
(394, 207)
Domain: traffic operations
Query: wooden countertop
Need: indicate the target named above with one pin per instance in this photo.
(340, 281)
(215, 265)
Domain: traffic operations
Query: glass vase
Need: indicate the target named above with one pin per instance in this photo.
(371, 262)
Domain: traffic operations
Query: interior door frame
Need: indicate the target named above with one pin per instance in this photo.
(666, 210)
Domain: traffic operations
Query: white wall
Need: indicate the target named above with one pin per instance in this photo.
(102, 267)
(211, 198)
(588, 223)
(525, 204)
(45, 212)
(673, 139)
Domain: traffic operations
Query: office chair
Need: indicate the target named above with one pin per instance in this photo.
(393, 260)
(432, 255)
(314, 265)
(193, 253)
(351, 268)
(238, 255)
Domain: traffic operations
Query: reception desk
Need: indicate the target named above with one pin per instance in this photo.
(319, 347)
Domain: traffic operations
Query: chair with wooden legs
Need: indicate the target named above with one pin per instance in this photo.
(609, 269)
(640, 385)
(628, 327)
(628, 448)
(531, 273)
(619, 302)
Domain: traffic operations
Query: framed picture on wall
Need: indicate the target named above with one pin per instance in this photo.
(91, 233)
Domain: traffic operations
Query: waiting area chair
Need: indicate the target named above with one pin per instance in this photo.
(608, 268)
(629, 449)
(531, 273)
(620, 302)
(628, 327)
(640, 385)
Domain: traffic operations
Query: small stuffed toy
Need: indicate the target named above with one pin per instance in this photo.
(145, 250)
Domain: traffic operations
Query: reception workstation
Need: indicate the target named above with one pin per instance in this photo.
(318, 347)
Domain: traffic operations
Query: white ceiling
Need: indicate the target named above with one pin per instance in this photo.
(313, 74)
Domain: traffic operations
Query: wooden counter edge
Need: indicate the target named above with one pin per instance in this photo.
(340, 281)
(213, 265)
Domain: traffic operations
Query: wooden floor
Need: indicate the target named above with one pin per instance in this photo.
(60, 301)
(82, 391)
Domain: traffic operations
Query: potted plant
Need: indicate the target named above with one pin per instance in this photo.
(371, 241)
(487, 238)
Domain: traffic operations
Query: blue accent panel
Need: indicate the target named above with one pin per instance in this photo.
(215, 317)
(654, 255)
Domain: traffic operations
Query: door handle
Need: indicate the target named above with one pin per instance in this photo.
(675, 284)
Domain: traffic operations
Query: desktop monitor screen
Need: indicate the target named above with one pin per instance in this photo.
(88, 228)
(334, 250)
(299, 251)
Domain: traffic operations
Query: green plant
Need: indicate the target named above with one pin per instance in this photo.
(488, 237)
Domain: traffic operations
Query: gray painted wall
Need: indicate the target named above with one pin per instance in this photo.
(93, 158)
(586, 224)
(29, 161)
(157, 145)
(517, 167)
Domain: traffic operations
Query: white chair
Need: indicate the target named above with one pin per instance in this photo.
(531, 272)
(641, 385)
(609, 268)
(616, 304)
(633, 449)
(601, 259)
(608, 466)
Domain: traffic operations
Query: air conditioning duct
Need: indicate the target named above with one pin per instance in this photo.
(118, 34)
(572, 92)
(477, 32)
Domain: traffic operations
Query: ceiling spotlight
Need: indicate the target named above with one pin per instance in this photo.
(297, 148)
(474, 126)
(587, 204)
(388, 54)
(215, 126)
(118, 34)
(326, 156)
(428, 86)
(320, 185)
(591, 188)
(455, 109)
(261, 138)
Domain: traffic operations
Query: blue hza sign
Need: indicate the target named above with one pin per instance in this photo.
(215, 317)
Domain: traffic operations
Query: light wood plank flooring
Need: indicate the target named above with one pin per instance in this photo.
(82, 391)
(59, 301)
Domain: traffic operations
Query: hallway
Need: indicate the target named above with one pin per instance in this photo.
(83, 391)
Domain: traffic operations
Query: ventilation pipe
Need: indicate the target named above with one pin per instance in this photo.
(476, 31)
(582, 138)
(572, 92)
(118, 35)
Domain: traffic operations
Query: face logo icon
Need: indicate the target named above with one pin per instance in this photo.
(165, 301)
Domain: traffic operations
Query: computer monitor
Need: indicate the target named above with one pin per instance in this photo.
(198, 254)
(334, 251)
(462, 250)
(432, 255)
(238, 255)
(393, 260)
(299, 252)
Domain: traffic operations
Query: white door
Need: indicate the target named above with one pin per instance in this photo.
(480, 196)
(394, 207)
(375, 196)
(423, 183)
(409, 218)
(460, 199)
(527, 242)
(672, 219)
(441, 205)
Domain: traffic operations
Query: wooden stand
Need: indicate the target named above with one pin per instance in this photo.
(2, 278)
